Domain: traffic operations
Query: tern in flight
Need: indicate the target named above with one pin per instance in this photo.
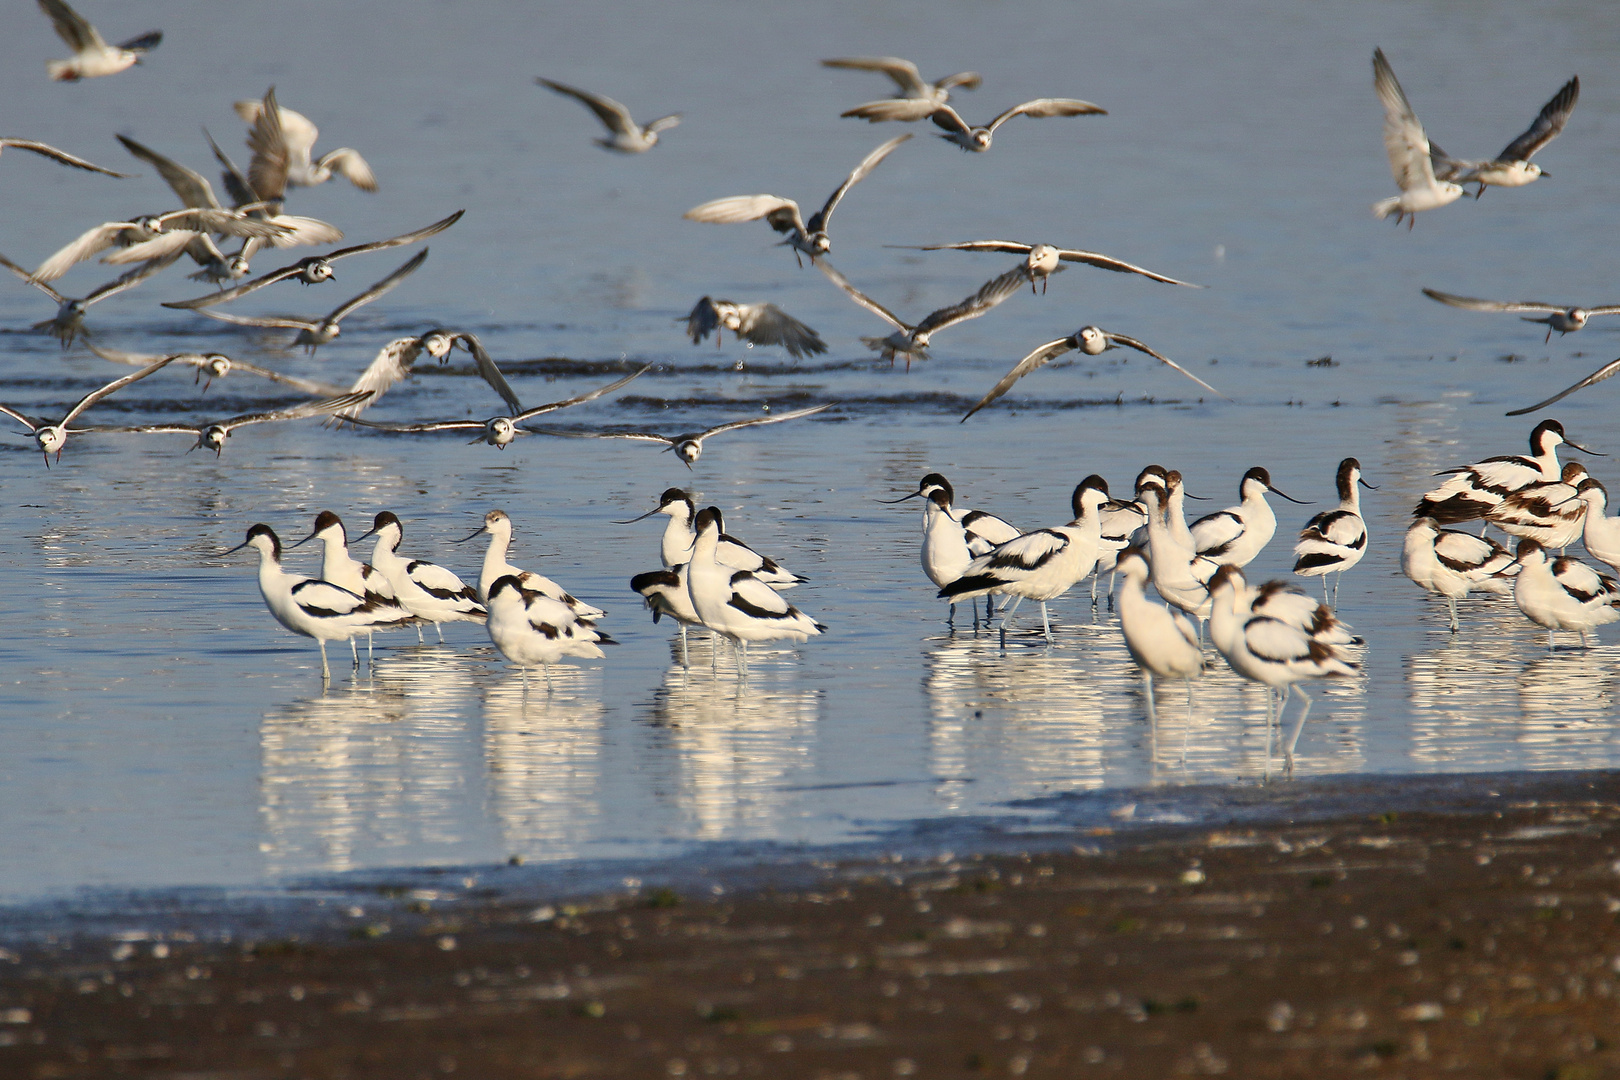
(626, 136)
(688, 447)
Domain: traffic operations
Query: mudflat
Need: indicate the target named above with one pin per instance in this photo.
(1483, 943)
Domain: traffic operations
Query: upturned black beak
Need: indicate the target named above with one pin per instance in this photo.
(479, 532)
(1582, 449)
(1285, 495)
(643, 517)
(1366, 485)
(901, 499)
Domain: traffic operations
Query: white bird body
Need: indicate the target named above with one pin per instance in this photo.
(1563, 593)
(1335, 540)
(283, 144)
(499, 527)
(1262, 648)
(1452, 564)
(311, 607)
(667, 593)
(1239, 533)
(92, 56)
(345, 571)
(533, 630)
(734, 603)
(945, 554)
(675, 547)
(624, 134)
(1601, 533)
(1408, 150)
(428, 591)
(1172, 563)
(1547, 513)
(1471, 491)
(1163, 642)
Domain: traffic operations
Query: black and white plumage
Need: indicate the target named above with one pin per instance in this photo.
(1041, 261)
(212, 436)
(68, 323)
(49, 436)
(1547, 513)
(734, 603)
(498, 526)
(1452, 564)
(675, 547)
(624, 134)
(983, 530)
(283, 144)
(667, 593)
(1335, 540)
(316, 268)
(1179, 575)
(394, 360)
(809, 237)
(427, 590)
(92, 56)
(211, 366)
(313, 333)
(1512, 167)
(1558, 318)
(959, 131)
(1563, 593)
(907, 79)
(312, 607)
(531, 629)
(1600, 533)
(1472, 490)
(757, 324)
(687, 447)
(1088, 339)
(1239, 533)
(345, 571)
(1041, 564)
(1408, 150)
(61, 157)
(912, 341)
(497, 431)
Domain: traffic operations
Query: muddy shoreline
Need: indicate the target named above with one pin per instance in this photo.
(1475, 939)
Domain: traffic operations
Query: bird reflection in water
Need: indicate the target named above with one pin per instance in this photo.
(373, 773)
(543, 758)
(740, 745)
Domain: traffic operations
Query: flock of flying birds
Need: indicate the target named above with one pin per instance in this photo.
(1273, 634)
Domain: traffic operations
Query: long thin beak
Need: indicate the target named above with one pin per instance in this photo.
(1545, 174)
(1285, 495)
(901, 499)
(482, 529)
(1366, 485)
(364, 536)
(302, 542)
(643, 517)
(1201, 498)
(1582, 449)
(233, 550)
(1504, 571)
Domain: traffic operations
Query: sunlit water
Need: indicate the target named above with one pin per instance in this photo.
(160, 729)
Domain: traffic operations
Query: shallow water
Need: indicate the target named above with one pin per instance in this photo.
(161, 730)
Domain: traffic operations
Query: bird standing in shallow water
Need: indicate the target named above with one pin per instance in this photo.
(531, 629)
(428, 591)
(1563, 593)
(1335, 540)
(734, 603)
(1452, 564)
(1161, 641)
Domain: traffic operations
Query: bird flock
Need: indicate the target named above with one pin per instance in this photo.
(1273, 633)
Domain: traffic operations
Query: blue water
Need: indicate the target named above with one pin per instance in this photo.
(160, 730)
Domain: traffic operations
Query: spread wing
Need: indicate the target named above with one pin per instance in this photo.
(398, 241)
(171, 242)
(988, 296)
(903, 72)
(300, 231)
(1469, 303)
(783, 213)
(767, 324)
(72, 27)
(1012, 247)
(590, 395)
(378, 289)
(1548, 123)
(86, 245)
(1121, 339)
(1045, 107)
(702, 320)
(437, 425)
(298, 412)
(1038, 358)
(1604, 372)
(289, 322)
(488, 371)
(1404, 141)
(189, 186)
(906, 110)
(62, 156)
(859, 297)
(868, 163)
(392, 363)
(347, 163)
(32, 280)
(1119, 266)
(614, 116)
(267, 171)
(777, 419)
(638, 436)
(949, 119)
(111, 388)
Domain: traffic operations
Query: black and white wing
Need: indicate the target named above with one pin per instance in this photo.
(1119, 266)
(767, 324)
(397, 241)
(868, 163)
(60, 156)
(589, 395)
(988, 296)
(777, 419)
(191, 187)
(434, 425)
(1606, 371)
(1469, 303)
(1548, 123)
(299, 412)
(1041, 108)
(378, 289)
(111, 388)
(1011, 247)
(637, 436)
(283, 322)
(267, 170)
(1130, 342)
(1214, 534)
(783, 214)
(859, 297)
(614, 116)
(904, 110)
(948, 119)
(308, 386)
(392, 363)
(43, 287)
(702, 320)
(903, 72)
(1041, 356)
(71, 27)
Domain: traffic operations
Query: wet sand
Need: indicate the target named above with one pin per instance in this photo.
(1480, 943)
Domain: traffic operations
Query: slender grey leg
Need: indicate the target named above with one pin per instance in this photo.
(1451, 604)
(1299, 724)
(326, 672)
(1147, 678)
(1046, 624)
